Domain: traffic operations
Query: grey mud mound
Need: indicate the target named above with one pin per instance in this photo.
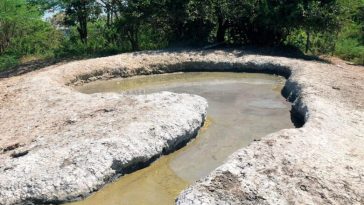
(59, 145)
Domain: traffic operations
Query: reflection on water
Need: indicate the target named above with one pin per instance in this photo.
(242, 107)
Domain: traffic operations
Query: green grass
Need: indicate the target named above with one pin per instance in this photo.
(8, 62)
(351, 50)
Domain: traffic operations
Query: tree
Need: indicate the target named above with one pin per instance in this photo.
(130, 16)
(43, 5)
(13, 15)
(359, 19)
(212, 14)
(22, 31)
(79, 13)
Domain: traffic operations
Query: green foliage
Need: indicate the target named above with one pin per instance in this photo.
(23, 32)
(14, 15)
(97, 43)
(350, 45)
(297, 38)
(80, 13)
(262, 22)
(350, 49)
(359, 20)
(8, 62)
(43, 5)
(39, 38)
(104, 27)
(346, 41)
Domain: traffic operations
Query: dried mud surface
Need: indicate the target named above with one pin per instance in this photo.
(59, 145)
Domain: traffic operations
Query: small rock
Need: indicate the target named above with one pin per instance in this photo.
(11, 147)
(92, 79)
(335, 88)
(19, 153)
(108, 109)
(70, 121)
(303, 188)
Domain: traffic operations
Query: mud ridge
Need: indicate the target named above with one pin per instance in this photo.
(75, 143)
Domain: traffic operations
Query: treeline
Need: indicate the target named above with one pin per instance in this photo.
(33, 29)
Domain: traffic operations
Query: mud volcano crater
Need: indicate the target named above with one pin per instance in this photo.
(243, 108)
(76, 143)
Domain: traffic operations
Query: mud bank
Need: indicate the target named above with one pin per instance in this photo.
(243, 107)
(59, 145)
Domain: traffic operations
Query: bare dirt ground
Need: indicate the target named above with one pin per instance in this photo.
(58, 144)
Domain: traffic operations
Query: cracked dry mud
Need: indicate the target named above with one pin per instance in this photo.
(59, 145)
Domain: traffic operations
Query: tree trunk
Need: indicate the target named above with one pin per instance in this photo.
(221, 27)
(308, 42)
(221, 30)
(134, 45)
(133, 38)
(82, 30)
(82, 16)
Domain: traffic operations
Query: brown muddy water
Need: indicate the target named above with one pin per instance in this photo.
(242, 107)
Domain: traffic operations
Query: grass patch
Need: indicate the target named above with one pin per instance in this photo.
(350, 49)
(8, 62)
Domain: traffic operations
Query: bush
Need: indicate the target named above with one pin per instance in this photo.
(349, 44)
(350, 49)
(8, 62)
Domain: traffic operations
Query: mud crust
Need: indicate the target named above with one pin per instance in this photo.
(76, 143)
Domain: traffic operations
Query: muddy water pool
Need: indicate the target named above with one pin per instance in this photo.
(242, 107)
